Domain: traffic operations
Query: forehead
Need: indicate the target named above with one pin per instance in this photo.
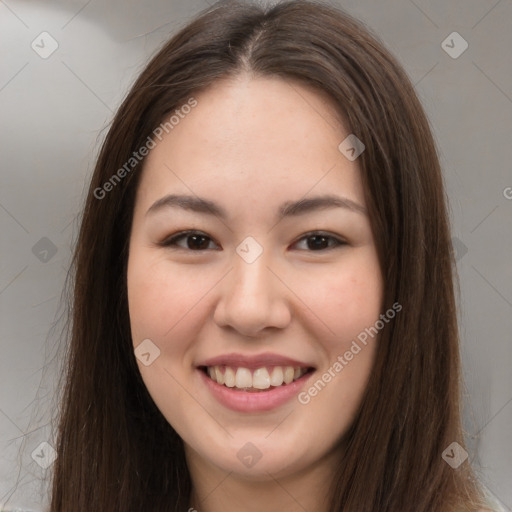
(257, 137)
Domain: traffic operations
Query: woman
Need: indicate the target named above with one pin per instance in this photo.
(264, 315)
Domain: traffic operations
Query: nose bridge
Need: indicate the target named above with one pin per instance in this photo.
(252, 277)
(250, 280)
(252, 297)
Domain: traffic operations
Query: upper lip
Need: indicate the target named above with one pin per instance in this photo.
(253, 362)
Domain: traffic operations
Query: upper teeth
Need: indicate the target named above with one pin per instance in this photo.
(262, 378)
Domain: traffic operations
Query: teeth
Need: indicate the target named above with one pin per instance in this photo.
(276, 379)
(243, 378)
(261, 378)
(289, 372)
(219, 376)
(229, 377)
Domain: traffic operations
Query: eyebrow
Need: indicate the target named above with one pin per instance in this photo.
(287, 209)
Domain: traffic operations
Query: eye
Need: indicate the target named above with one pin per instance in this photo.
(198, 241)
(320, 241)
(195, 241)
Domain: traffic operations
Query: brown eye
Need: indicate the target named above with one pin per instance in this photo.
(318, 241)
(195, 241)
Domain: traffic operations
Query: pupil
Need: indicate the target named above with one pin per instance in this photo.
(319, 242)
(195, 244)
(314, 242)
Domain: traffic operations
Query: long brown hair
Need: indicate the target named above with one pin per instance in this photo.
(116, 451)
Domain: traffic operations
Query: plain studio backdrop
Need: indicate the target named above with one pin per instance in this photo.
(66, 67)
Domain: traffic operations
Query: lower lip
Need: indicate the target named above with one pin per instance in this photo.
(257, 401)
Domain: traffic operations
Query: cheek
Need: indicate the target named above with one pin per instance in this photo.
(347, 298)
(164, 307)
(161, 297)
(347, 301)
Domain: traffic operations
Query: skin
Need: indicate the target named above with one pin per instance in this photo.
(251, 144)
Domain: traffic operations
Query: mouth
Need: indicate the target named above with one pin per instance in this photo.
(253, 383)
(255, 380)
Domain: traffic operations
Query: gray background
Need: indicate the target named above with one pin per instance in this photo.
(54, 112)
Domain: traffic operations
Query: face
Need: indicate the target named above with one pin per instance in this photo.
(254, 278)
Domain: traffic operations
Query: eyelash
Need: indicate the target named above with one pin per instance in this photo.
(171, 242)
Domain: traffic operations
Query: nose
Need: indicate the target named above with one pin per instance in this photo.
(253, 298)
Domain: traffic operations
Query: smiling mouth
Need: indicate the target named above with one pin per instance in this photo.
(257, 380)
